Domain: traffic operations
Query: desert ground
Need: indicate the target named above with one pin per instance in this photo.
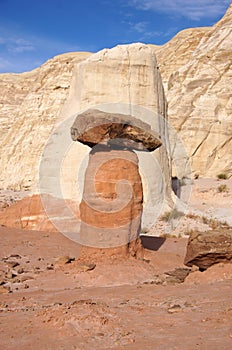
(51, 300)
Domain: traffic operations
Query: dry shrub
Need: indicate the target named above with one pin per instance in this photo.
(222, 188)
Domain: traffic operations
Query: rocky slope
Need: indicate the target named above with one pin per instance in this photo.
(199, 94)
(178, 51)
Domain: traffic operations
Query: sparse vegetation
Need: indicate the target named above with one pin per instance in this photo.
(144, 230)
(192, 216)
(222, 176)
(214, 223)
(182, 182)
(222, 188)
(171, 215)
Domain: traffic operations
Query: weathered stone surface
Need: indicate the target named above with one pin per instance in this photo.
(111, 207)
(177, 52)
(125, 80)
(125, 77)
(30, 213)
(94, 126)
(199, 95)
(208, 248)
(29, 107)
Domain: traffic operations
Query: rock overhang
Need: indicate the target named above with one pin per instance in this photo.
(94, 126)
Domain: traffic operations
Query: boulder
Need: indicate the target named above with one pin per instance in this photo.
(205, 249)
(94, 126)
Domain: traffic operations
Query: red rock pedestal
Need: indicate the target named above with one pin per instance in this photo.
(111, 207)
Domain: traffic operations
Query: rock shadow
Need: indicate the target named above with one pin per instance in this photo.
(151, 242)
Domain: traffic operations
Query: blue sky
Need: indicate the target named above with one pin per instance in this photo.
(33, 31)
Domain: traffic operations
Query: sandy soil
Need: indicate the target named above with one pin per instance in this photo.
(204, 208)
(46, 303)
(51, 300)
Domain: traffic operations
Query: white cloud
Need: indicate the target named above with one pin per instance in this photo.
(145, 32)
(20, 46)
(140, 27)
(5, 64)
(195, 9)
(14, 44)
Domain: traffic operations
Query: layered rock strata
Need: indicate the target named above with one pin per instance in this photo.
(93, 127)
(112, 203)
(205, 249)
(199, 96)
(122, 89)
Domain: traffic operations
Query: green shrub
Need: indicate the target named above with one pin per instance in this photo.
(222, 176)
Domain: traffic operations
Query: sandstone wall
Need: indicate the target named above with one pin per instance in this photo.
(29, 106)
(199, 95)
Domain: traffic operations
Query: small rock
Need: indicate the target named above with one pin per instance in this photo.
(63, 260)
(16, 256)
(175, 308)
(20, 271)
(85, 267)
(12, 264)
(50, 267)
(177, 276)
(10, 275)
(3, 290)
(26, 278)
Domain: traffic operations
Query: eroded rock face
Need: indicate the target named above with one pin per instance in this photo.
(124, 83)
(199, 96)
(30, 213)
(208, 248)
(178, 51)
(112, 203)
(93, 127)
(29, 107)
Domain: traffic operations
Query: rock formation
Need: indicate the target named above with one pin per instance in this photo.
(29, 213)
(133, 95)
(199, 94)
(93, 127)
(29, 107)
(208, 248)
(178, 51)
(111, 207)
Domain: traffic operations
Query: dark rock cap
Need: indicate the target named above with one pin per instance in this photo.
(94, 126)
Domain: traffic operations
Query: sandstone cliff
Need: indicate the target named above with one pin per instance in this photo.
(29, 106)
(199, 94)
(178, 51)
